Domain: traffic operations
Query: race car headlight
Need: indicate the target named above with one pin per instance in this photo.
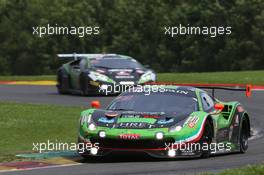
(92, 127)
(94, 151)
(148, 76)
(171, 153)
(178, 126)
(102, 134)
(101, 77)
(159, 135)
(175, 128)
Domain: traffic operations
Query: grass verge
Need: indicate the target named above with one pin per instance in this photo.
(21, 125)
(249, 170)
(241, 77)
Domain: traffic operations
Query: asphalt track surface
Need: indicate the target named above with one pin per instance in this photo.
(143, 164)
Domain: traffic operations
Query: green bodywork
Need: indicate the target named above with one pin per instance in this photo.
(220, 121)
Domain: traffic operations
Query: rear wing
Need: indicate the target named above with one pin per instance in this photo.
(77, 56)
(248, 88)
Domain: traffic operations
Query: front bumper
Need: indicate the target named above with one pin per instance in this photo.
(107, 88)
(154, 148)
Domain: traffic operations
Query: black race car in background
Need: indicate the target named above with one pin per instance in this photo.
(101, 74)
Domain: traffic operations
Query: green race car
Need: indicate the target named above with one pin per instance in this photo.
(101, 74)
(164, 121)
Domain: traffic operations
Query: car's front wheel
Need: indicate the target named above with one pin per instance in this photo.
(206, 139)
(62, 83)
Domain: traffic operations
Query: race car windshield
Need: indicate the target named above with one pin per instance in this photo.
(155, 102)
(116, 63)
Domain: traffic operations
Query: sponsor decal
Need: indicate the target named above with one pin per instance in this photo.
(129, 136)
(182, 92)
(124, 76)
(122, 73)
(130, 116)
(106, 120)
(132, 125)
(192, 122)
(120, 70)
(164, 121)
(151, 116)
(173, 91)
(127, 83)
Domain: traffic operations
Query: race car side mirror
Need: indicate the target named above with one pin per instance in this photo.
(219, 106)
(95, 104)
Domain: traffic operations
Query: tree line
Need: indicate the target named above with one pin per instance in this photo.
(135, 28)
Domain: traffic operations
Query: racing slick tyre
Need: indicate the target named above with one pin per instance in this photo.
(244, 135)
(63, 82)
(206, 139)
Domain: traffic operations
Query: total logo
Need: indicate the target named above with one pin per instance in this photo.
(129, 136)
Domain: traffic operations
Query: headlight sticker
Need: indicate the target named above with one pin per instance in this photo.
(85, 119)
(147, 77)
(97, 76)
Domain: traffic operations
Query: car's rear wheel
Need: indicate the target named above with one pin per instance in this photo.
(206, 139)
(244, 135)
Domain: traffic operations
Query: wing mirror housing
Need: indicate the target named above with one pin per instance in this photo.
(219, 106)
(95, 104)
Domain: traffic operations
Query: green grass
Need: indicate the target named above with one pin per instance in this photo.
(21, 125)
(243, 77)
(249, 170)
